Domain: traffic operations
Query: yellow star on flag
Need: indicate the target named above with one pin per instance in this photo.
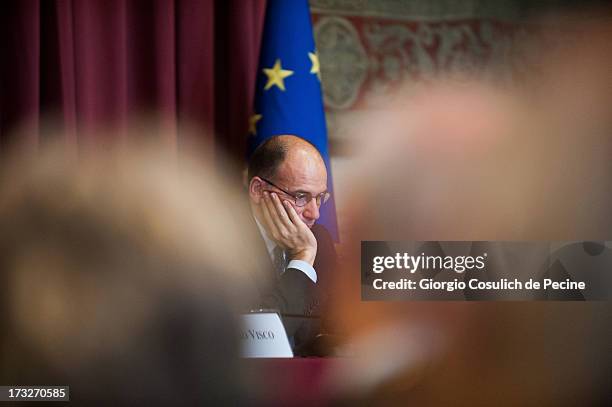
(314, 58)
(253, 123)
(276, 76)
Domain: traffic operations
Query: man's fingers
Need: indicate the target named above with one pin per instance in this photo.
(268, 216)
(278, 229)
(282, 213)
(293, 215)
(308, 241)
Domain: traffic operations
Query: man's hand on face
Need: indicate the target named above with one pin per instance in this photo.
(287, 229)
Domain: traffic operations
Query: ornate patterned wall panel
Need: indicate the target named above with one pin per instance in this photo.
(367, 47)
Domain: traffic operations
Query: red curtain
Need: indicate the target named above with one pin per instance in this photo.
(92, 64)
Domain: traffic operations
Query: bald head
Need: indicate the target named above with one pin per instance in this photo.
(278, 150)
(291, 166)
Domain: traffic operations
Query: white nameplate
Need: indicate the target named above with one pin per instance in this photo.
(263, 336)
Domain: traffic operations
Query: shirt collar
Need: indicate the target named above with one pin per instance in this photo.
(270, 244)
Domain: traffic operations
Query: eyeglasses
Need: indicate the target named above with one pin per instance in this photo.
(302, 198)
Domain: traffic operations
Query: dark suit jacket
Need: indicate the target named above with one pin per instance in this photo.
(300, 301)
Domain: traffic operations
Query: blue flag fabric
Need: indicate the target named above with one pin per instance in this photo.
(288, 97)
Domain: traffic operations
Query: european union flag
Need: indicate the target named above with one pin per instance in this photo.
(288, 95)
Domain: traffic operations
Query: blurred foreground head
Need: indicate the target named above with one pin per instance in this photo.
(119, 277)
(468, 161)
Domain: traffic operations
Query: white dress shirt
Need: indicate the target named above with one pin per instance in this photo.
(301, 265)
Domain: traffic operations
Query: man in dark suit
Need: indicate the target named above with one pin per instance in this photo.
(287, 184)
